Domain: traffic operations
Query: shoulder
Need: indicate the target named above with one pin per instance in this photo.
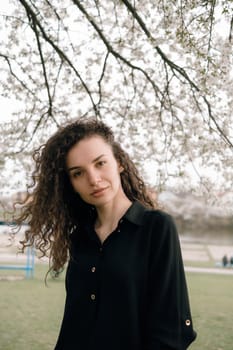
(161, 228)
(163, 239)
(140, 215)
(150, 220)
(159, 218)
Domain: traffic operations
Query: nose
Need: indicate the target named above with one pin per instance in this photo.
(93, 177)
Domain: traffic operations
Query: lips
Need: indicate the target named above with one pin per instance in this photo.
(98, 192)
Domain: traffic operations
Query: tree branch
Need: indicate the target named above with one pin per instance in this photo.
(34, 26)
(15, 76)
(231, 29)
(111, 49)
(213, 4)
(180, 70)
(60, 53)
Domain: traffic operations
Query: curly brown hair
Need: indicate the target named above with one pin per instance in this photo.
(53, 209)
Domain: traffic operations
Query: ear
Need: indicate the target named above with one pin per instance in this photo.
(120, 167)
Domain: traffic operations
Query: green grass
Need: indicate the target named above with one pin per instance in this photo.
(31, 313)
(209, 264)
(212, 308)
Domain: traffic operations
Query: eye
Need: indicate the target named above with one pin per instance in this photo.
(76, 173)
(101, 163)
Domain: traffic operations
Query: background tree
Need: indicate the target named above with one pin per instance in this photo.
(159, 71)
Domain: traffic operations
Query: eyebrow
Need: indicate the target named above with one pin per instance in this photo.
(93, 161)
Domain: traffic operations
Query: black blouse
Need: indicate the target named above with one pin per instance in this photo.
(128, 293)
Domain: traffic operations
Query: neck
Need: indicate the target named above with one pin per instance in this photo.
(109, 215)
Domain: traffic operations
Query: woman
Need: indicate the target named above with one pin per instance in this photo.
(125, 281)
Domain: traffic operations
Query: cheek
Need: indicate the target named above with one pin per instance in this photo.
(117, 177)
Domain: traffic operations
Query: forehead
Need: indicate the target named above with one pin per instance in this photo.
(87, 150)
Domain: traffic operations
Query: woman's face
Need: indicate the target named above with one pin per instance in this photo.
(94, 172)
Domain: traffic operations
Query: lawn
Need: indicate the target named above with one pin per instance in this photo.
(31, 312)
(212, 306)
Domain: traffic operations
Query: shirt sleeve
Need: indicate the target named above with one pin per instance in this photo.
(169, 322)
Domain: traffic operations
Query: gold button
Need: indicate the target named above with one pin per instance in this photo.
(93, 269)
(188, 322)
(92, 296)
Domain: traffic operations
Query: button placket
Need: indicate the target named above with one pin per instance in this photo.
(119, 225)
(94, 271)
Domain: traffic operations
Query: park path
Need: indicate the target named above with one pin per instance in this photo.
(199, 252)
(212, 270)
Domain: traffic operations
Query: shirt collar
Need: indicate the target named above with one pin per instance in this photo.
(135, 213)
